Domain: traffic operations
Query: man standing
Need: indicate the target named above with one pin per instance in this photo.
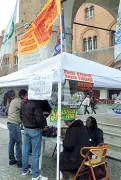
(86, 104)
(34, 121)
(14, 129)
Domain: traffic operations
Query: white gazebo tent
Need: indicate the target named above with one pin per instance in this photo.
(103, 77)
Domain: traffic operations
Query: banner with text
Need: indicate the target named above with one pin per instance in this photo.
(40, 31)
(66, 114)
(79, 81)
(40, 87)
(117, 47)
(30, 59)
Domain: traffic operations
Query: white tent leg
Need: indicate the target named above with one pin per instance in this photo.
(59, 129)
(59, 108)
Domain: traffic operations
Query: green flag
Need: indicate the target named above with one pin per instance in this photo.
(7, 43)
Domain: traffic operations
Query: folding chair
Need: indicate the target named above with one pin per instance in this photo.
(89, 164)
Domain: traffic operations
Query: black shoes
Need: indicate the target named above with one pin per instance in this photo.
(11, 163)
(19, 164)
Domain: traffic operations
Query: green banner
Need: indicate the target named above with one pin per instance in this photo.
(66, 114)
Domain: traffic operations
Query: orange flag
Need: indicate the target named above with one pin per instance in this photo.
(40, 31)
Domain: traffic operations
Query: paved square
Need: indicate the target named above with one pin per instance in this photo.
(49, 164)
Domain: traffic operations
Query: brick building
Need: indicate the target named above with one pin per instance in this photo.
(27, 13)
(85, 38)
(88, 41)
(10, 61)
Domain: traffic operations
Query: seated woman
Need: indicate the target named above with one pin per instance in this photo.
(95, 134)
(76, 137)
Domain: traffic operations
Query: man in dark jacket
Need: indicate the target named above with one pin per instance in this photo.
(76, 138)
(34, 121)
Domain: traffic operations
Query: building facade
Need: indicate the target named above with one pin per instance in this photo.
(10, 61)
(94, 43)
(27, 13)
(86, 38)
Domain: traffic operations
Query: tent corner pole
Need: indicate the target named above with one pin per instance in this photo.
(59, 127)
(59, 107)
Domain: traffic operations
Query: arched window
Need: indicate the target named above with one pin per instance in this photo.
(15, 60)
(86, 12)
(91, 11)
(95, 42)
(112, 38)
(6, 61)
(85, 45)
(90, 43)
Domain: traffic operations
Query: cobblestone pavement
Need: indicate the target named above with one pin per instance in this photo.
(49, 164)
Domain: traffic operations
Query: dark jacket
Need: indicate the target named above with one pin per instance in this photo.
(93, 103)
(96, 136)
(32, 113)
(76, 138)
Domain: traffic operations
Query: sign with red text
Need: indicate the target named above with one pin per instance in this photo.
(78, 76)
(79, 81)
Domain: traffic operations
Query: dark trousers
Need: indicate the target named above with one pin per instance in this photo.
(86, 110)
(93, 109)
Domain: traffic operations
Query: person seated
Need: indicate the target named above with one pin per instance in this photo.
(70, 159)
(95, 134)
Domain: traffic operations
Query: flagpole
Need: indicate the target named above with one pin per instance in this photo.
(65, 34)
(61, 32)
(59, 106)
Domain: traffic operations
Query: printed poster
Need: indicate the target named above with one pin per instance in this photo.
(66, 114)
(79, 81)
(79, 85)
(40, 87)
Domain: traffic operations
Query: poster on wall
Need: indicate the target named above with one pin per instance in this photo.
(80, 84)
(79, 81)
(5, 99)
(54, 96)
(115, 109)
(32, 58)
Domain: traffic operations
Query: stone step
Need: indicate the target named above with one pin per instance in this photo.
(103, 119)
(113, 138)
(114, 151)
(110, 128)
